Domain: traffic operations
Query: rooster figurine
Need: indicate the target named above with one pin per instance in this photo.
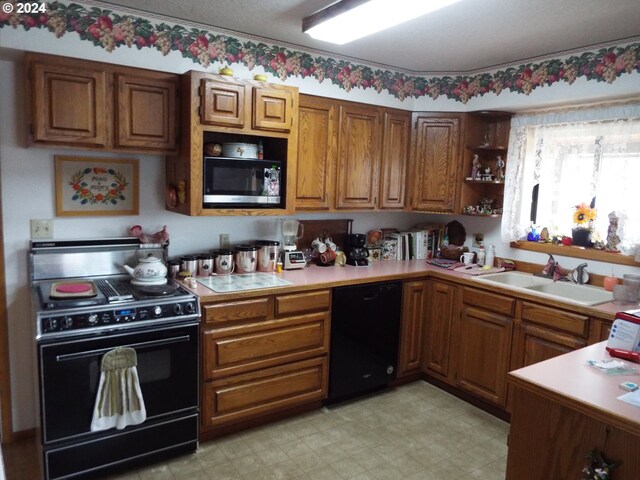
(161, 237)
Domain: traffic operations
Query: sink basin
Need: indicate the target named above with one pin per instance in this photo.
(545, 287)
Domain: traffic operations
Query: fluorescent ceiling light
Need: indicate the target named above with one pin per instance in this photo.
(348, 20)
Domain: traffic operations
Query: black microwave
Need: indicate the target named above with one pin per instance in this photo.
(240, 182)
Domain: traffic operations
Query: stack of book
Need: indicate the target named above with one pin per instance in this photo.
(420, 243)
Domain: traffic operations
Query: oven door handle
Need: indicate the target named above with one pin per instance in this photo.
(102, 351)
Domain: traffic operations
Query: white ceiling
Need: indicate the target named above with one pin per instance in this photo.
(465, 37)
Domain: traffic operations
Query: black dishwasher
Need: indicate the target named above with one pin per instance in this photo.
(365, 330)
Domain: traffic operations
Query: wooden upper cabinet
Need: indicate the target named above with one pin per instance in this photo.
(147, 112)
(272, 109)
(70, 104)
(222, 102)
(395, 155)
(358, 157)
(80, 103)
(317, 147)
(437, 162)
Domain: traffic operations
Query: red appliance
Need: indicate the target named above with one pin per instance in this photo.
(624, 339)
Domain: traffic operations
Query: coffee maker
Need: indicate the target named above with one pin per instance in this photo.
(357, 253)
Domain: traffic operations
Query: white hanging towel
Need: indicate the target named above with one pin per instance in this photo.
(119, 400)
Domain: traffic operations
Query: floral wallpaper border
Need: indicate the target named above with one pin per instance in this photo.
(110, 30)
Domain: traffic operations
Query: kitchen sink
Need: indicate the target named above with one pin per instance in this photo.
(546, 287)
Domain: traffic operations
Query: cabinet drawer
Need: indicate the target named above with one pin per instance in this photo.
(234, 312)
(258, 345)
(303, 302)
(489, 301)
(249, 395)
(556, 319)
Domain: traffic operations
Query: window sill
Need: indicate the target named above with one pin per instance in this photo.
(577, 252)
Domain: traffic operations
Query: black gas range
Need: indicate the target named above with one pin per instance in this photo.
(85, 308)
(115, 304)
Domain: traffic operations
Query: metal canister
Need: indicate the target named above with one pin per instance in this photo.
(205, 264)
(189, 263)
(246, 258)
(267, 255)
(223, 261)
(173, 268)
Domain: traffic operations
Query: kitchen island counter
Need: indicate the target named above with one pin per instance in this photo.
(563, 408)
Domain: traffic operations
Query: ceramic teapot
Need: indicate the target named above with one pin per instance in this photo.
(149, 269)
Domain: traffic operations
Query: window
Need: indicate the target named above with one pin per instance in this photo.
(574, 158)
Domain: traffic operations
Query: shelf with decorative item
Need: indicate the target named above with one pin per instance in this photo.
(490, 215)
(485, 182)
(499, 148)
(588, 253)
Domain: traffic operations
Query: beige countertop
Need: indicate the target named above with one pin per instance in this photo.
(314, 277)
(568, 380)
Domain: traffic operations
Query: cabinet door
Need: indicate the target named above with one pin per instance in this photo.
(71, 105)
(317, 147)
(146, 112)
(395, 154)
(414, 308)
(437, 330)
(272, 109)
(358, 157)
(541, 344)
(222, 102)
(484, 346)
(437, 164)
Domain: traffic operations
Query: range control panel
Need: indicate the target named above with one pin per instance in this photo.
(75, 322)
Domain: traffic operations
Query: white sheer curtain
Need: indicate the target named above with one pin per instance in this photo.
(574, 156)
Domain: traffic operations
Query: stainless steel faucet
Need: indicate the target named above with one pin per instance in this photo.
(578, 274)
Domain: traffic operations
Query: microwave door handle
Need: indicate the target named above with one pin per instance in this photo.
(102, 351)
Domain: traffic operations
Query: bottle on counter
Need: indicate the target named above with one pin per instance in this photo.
(481, 255)
(490, 256)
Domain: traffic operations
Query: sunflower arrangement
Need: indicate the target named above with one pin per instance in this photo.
(584, 216)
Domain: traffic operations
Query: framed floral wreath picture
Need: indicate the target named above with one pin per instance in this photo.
(87, 186)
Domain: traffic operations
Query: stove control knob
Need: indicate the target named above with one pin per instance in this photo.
(92, 319)
(49, 324)
(177, 309)
(157, 310)
(190, 308)
(66, 323)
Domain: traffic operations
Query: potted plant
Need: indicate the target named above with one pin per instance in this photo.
(583, 218)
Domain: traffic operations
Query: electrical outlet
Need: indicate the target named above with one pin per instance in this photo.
(41, 228)
(224, 240)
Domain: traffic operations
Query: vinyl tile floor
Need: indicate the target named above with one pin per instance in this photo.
(413, 432)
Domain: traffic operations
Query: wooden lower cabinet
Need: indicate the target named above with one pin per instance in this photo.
(436, 341)
(414, 313)
(545, 332)
(263, 355)
(254, 394)
(483, 333)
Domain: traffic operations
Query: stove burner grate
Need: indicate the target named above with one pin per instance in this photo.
(114, 290)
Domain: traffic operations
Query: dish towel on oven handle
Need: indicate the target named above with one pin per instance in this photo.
(119, 400)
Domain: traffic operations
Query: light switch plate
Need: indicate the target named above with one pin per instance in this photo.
(224, 240)
(42, 228)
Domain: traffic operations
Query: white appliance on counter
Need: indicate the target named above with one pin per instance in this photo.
(292, 230)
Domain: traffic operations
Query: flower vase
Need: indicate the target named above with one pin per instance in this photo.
(581, 237)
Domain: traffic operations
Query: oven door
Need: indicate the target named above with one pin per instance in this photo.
(70, 373)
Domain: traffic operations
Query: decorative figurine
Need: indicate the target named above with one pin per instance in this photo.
(475, 167)
(499, 169)
(487, 174)
(612, 233)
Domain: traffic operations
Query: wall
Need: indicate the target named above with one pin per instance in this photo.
(28, 192)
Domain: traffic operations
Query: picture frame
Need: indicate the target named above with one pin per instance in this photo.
(91, 186)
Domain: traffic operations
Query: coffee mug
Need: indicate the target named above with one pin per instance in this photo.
(467, 258)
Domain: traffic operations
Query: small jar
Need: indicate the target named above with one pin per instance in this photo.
(189, 263)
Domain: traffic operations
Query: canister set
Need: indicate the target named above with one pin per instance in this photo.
(261, 256)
